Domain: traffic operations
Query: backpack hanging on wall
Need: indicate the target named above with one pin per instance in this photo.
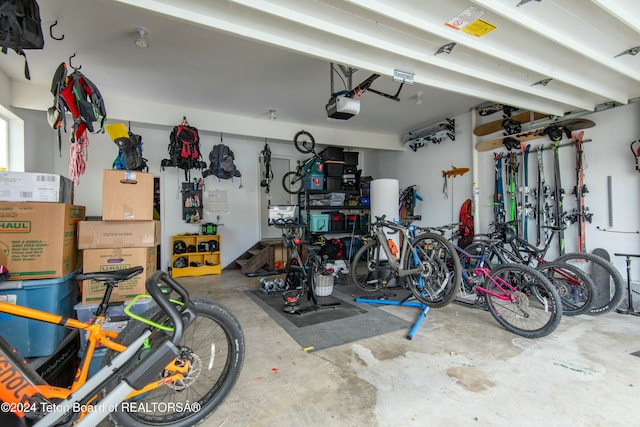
(78, 95)
(184, 149)
(222, 163)
(20, 28)
(129, 148)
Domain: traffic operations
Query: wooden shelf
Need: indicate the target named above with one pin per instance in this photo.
(205, 260)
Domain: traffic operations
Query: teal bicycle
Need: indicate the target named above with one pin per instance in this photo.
(293, 181)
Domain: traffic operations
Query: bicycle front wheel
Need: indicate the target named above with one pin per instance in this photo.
(438, 281)
(370, 270)
(523, 301)
(304, 142)
(292, 183)
(574, 286)
(213, 345)
(608, 295)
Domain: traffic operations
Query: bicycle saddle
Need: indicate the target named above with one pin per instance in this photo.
(105, 276)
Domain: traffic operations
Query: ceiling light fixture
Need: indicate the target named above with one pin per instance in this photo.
(272, 114)
(142, 41)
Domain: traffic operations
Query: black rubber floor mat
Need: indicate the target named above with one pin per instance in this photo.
(329, 327)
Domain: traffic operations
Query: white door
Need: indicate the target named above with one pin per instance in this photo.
(276, 196)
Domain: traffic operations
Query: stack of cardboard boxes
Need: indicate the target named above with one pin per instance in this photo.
(38, 246)
(126, 237)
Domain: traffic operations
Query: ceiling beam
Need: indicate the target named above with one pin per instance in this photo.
(344, 25)
(501, 51)
(627, 12)
(254, 24)
(558, 34)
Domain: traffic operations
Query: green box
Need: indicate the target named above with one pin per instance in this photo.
(319, 222)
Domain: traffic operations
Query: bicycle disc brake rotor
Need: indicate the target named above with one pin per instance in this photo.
(522, 300)
(195, 368)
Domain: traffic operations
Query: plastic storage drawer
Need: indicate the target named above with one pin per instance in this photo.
(32, 338)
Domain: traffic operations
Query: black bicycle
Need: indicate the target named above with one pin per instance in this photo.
(570, 273)
(301, 277)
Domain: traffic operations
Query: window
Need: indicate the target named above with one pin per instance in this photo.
(11, 141)
(4, 143)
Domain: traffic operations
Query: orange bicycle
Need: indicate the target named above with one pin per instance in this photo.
(172, 366)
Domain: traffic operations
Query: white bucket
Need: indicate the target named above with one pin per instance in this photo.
(324, 285)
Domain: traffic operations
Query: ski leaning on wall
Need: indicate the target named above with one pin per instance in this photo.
(581, 213)
(512, 166)
(498, 194)
(543, 209)
(525, 207)
(558, 211)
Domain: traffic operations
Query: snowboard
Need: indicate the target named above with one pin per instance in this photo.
(514, 141)
(601, 280)
(494, 108)
(435, 133)
(498, 125)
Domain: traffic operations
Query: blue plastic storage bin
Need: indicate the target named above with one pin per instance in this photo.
(32, 338)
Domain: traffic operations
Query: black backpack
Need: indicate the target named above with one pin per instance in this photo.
(130, 154)
(20, 28)
(184, 149)
(333, 249)
(222, 163)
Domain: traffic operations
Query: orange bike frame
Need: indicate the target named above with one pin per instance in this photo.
(17, 389)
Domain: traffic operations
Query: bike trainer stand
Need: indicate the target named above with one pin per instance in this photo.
(406, 303)
(629, 309)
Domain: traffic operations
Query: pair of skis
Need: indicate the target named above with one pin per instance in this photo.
(581, 213)
(521, 208)
(517, 191)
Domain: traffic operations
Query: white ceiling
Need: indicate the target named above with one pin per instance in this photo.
(245, 57)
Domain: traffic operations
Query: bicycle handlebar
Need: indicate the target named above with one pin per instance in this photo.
(180, 320)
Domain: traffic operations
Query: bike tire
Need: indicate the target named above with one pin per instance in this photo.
(217, 334)
(304, 142)
(438, 284)
(369, 269)
(477, 249)
(574, 286)
(533, 310)
(617, 283)
(292, 183)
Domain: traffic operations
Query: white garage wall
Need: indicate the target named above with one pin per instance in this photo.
(424, 169)
(607, 155)
(241, 227)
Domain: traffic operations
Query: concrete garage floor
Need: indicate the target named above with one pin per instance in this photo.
(460, 369)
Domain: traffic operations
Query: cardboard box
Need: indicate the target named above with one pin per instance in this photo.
(118, 234)
(35, 187)
(117, 259)
(127, 195)
(38, 240)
